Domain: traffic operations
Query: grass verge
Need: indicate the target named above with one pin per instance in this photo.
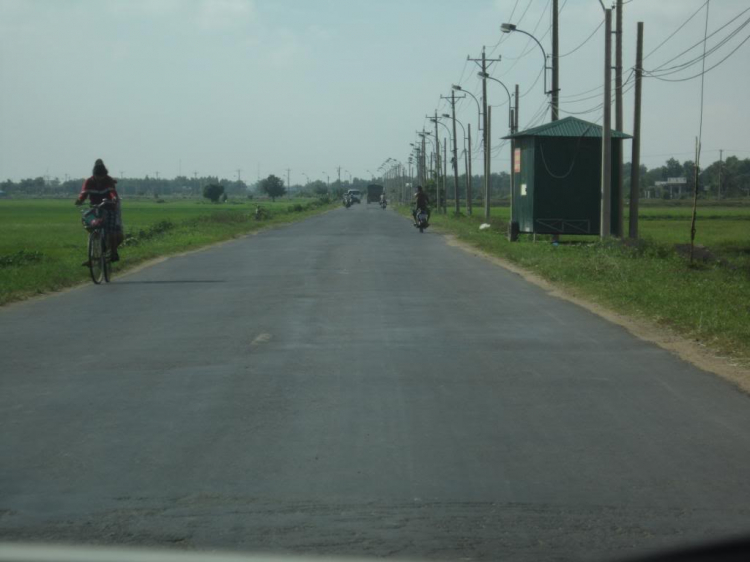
(708, 302)
(42, 243)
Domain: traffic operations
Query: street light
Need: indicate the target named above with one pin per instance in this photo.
(479, 110)
(510, 102)
(509, 28)
(467, 163)
(511, 123)
(426, 136)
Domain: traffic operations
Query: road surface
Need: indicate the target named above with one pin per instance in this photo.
(346, 385)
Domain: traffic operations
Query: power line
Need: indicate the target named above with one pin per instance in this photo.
(704, 72)
(699, 43)
(601, 23)
(713, 49)
(675, 31)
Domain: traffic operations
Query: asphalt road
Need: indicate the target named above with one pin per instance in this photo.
(346, 385)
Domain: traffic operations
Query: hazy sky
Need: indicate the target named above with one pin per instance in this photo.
(210, 86)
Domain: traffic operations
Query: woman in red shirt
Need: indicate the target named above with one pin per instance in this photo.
(101, 187)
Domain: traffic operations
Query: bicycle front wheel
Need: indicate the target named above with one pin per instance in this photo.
(96, 263)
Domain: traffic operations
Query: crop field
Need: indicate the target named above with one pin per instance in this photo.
(708, 301)
(42, 242)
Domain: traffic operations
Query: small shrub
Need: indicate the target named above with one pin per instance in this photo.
(19, 258)
(135, 238)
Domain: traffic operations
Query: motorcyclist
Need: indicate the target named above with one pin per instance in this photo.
(421, 202)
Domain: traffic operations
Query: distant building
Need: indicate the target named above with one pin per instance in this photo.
(671, 185)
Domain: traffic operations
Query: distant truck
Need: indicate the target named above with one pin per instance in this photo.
(374, 192)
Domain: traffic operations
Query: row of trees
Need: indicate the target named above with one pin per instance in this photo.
(730, 178)
(273, 186)
(148, 186)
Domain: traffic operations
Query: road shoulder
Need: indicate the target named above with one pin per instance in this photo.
(686, 349)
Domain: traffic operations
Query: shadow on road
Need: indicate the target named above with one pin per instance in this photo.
(169, 282)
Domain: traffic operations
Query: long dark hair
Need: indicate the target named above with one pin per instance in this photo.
(100, 170)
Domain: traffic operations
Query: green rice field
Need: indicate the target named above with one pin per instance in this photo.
(42, 242)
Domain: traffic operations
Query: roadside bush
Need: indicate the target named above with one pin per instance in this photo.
(134, 238)
(21, 257)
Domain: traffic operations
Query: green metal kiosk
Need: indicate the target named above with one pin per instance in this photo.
(557, 178)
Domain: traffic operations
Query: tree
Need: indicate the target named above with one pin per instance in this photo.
(273, 187)
(318, 187)
(213, 191)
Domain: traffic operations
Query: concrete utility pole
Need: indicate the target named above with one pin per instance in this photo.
(512, 234)
(485, 127)
(437, 162)
(555, 62)
(635, 170)
(618, 113)
(445, 174)
(721, 169)
(239, 174)
(455, 149)
(424, 161)
(455, 153)
(485, 136)
(288, 191)
(468, 172)
(488, 128)
(605, 229)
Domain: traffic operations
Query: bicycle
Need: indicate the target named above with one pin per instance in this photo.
(100, 256)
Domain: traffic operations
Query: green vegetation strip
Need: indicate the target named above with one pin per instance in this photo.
(42, 242)
(708, 302)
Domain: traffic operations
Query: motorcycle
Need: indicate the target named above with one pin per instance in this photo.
(421, 217)
(383, 203)
(347, 202)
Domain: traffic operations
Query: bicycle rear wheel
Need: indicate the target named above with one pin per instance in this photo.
(106, 259)
(96, 263)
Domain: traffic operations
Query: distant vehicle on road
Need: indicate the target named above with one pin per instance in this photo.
(355, 195)
(374, 192)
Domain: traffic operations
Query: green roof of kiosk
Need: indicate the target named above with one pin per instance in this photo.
(568, 127)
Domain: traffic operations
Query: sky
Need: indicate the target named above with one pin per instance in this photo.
(248, 88)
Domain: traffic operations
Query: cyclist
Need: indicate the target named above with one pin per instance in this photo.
(422, 201)
(98, 188)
